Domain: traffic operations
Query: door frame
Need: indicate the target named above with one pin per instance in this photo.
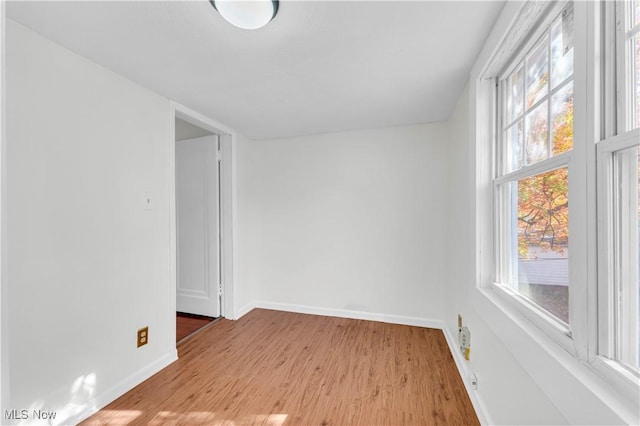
(227, 136)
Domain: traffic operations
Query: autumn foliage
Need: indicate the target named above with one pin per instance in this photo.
(543, 204)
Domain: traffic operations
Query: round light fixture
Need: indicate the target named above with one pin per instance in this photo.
(247, 14)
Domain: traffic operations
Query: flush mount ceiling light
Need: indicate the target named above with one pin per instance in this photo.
(247, 14)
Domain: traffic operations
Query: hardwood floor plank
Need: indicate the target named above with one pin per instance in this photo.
(187, 324)
(279, 368)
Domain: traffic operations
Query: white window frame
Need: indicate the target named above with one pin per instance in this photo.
(572, 360)
(559, 332)
(605, 361)
(618, 117)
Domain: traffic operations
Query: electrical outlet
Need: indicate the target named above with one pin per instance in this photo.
(143, 336)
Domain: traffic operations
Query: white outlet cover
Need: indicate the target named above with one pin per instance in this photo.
(464, 338)
(473, 380)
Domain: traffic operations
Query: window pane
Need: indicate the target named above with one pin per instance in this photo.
(561, 55)
(537, 73)
(536, 136)
(636, 7)
(543, 238)
(515, 94)
(628, 250)
(629, 61)
(548, 113)
(515, 156)
(562, 119)
(636, 82)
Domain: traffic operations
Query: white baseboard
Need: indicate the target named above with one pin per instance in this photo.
(476, 401)
(239, 313)
(344, 313)
(95, 404)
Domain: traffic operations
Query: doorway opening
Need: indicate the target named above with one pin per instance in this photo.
(201, 222)
(188, 325)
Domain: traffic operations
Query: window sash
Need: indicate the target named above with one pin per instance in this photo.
(503, 234)
(612, 236)
(626, 215)
(547, 165)
(507, 240)
(542, 34)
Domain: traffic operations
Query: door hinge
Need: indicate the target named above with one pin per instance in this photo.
(220, 289)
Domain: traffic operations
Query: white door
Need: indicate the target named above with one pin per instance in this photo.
(197, 208)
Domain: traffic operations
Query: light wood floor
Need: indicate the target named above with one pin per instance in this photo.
(187, 324)
(277, 368)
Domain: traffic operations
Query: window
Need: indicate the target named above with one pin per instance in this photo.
(557, 175)
(619, 208)
(532, 170)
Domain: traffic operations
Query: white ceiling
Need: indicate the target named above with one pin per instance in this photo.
(318, 67)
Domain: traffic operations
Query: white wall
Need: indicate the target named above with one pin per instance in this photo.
(87, 265)
(243, 231)
(347, 221)
(507, 391)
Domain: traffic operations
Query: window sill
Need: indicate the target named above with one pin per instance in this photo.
(578, 390)
(622, 378)
(558, 331)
